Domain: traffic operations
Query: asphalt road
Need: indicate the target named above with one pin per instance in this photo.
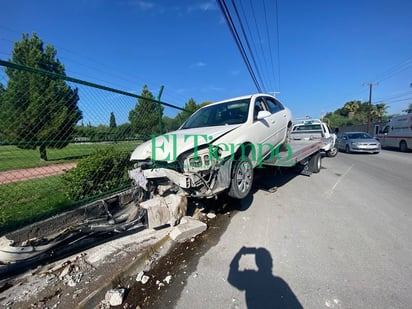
(338, 239)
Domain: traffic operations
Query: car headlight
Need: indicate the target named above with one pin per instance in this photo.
(200, 160)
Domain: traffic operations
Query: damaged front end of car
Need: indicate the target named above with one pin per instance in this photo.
(200, 170)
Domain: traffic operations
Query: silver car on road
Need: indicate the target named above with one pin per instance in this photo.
(357, 142)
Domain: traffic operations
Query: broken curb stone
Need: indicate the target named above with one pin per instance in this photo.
(187, 229)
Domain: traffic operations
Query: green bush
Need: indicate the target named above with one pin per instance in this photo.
(101, 172)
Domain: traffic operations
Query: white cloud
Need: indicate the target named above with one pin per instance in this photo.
(198, 64)
(144, 5)
(203, 6)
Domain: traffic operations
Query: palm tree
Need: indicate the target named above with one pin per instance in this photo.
(352, 107)
(379, 110)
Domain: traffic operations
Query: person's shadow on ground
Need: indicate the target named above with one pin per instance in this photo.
(263, 290)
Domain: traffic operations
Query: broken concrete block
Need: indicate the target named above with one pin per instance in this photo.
(157, 212)
(177, 205)
(187, 228)
(115, 296)
(165, 210)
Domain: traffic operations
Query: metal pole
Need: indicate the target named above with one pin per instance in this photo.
(160, 109)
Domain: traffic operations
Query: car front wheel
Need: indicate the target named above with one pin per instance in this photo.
(332, 152)
(242, 179)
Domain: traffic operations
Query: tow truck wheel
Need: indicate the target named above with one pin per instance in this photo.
(332, 152)
(316, 163)
(242, 179)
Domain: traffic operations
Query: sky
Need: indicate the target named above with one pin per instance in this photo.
(314, 55)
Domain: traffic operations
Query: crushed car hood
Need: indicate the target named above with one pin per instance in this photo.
(169, 146)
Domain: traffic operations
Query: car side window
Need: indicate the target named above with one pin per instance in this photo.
(274, 105)
(259, 106)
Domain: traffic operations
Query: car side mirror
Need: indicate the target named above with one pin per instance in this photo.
(263, 114)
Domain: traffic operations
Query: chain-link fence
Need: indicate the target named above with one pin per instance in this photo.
(64, 141)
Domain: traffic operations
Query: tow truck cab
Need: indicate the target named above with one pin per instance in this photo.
(309, 129)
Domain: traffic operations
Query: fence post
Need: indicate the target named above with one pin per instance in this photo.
(160, 109)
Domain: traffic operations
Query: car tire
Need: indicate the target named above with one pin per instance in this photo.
(347, 150)
(403, 147)
(316, 163)
(242, 179)
(332, 152)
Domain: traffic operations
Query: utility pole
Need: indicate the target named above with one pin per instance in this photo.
(370, 106)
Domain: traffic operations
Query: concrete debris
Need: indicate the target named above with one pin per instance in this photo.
(167, 279)
(211, 215)
(145, 279)
(141, 277)
(165, 210)
(187, 229)
(73, 271)
(115, 296)
(159, 284)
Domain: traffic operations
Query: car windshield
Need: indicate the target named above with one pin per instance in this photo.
(308, 127)
(358, 135)
(234, 112)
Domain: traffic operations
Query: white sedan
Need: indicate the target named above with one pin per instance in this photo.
(217, 148)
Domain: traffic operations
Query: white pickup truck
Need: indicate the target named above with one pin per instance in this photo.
(311, 129)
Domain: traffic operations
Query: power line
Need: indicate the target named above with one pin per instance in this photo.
(247, 42)
(235, 34)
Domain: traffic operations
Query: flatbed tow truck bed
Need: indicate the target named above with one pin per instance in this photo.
(305, 154)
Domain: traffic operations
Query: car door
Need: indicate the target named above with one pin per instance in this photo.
(343, 141)
(278, 121)
(260, 133)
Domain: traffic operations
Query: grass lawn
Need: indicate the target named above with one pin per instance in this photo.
(12, 157)
(28, 201)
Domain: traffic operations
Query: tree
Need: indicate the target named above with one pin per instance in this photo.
(379, 111)
(145, 119)
(38, 110)
(190, 108)
(170, 124)
(352, 107)
(335, 120)
(112, 121)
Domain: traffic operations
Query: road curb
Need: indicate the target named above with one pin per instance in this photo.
(155, 251)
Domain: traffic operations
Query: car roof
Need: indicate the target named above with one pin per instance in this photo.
(249, 96)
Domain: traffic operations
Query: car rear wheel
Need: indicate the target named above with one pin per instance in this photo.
(242, 179)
